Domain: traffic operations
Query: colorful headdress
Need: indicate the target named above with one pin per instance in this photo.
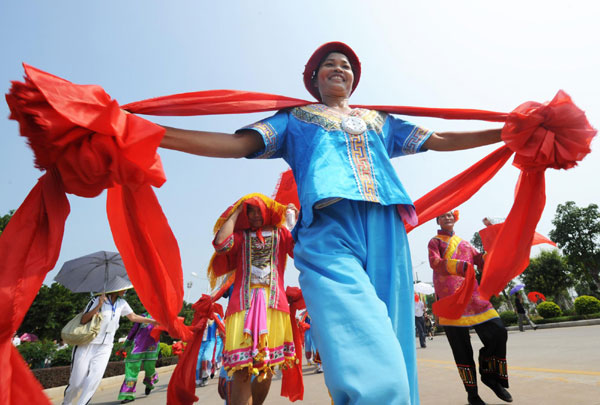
(273, 214)
(454, 214)
(312, 66)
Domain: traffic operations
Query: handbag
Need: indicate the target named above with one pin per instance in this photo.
(74, 333)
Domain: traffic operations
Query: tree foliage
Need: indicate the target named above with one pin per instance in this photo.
(476, 242)
(586, 304)
(548, 273)
(4, 220)
(577, 233)
(548, 309)
(52, 308)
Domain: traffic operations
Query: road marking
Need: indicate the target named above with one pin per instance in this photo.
(541, 370)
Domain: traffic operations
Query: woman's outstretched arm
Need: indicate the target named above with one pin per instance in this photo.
(213, 144)
(449, 141)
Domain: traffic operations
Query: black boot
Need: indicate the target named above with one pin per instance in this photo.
(475, 399)
(498, 389)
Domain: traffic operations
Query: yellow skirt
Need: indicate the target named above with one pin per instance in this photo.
(274, 348)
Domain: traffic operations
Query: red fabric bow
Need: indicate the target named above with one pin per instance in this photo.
(86, 144)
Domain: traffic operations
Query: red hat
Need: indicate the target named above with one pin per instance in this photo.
(310, 70)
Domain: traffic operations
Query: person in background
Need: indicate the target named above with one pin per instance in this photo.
(89, 361)
(449, 256)
(210, 353)
(429, 326)
(521, 313)
(310, 351)
(142, 351)
(253, 242)
(420, 320)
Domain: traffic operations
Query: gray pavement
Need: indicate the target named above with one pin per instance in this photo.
(548, 366)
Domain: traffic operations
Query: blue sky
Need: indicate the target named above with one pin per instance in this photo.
(488, 55)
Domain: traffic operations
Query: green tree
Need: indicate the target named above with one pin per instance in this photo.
(577, 233)
(187, 313)
(4, 220)
(51, 309)
(476, 242)
(550, 274)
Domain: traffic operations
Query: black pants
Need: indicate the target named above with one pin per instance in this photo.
(420, 325)
(492, 356)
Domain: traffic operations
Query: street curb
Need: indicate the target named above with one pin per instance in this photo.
(566, 324)
(57, 393)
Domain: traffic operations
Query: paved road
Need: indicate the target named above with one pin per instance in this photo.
(548, 366)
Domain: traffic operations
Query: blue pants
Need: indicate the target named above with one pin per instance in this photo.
(356, 278)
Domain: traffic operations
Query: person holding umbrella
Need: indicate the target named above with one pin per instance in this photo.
(89, 361)
(522, 313)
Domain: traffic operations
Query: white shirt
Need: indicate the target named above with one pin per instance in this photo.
(110, 319)
(419, 308)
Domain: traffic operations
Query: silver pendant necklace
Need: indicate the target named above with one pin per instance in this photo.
(354, 125)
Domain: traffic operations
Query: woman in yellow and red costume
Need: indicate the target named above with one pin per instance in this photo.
(449, 257)
(252, 241)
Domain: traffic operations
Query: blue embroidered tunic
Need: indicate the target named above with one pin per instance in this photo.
(331, 163)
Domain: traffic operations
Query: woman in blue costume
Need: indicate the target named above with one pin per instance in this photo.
(209, 355)
(310, 351)
(351, 245)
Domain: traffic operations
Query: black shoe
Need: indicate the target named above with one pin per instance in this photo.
(148, 390)
(499, 390)
(475, 399)
(535, 328)
(128, 400)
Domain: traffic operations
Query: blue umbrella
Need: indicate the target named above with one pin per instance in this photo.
(516, 288)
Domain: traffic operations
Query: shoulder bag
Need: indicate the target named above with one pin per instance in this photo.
(74, 333)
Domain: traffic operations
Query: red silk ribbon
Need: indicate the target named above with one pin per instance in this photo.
(86, 144)
(292, 385)
(182, 385)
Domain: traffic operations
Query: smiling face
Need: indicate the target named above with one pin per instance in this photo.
(335, 76)
(446, 221)
(254, 217)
